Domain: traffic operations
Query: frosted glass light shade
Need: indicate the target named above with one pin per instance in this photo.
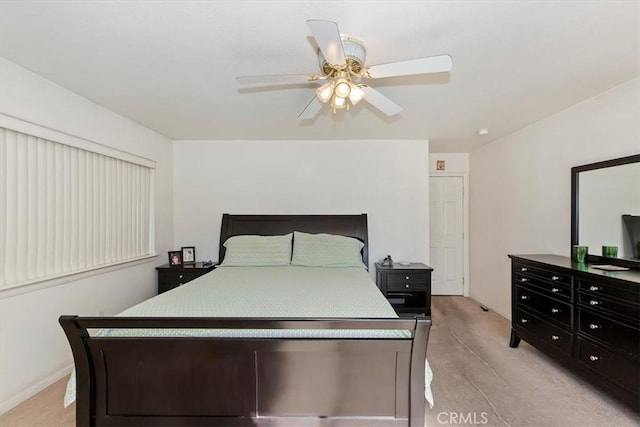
(342, 88)
(325, 92)
(339, 102)
(356, 94)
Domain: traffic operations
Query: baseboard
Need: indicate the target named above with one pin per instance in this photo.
(6, 406)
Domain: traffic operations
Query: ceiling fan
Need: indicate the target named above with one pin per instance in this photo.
(345, 76)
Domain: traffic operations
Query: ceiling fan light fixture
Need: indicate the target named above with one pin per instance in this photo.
(356, 94)
(339, 102)
(325, 92)
(342, 61)
(342, 88)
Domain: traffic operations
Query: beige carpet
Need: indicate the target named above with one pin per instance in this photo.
(478, 380)
(476, 372)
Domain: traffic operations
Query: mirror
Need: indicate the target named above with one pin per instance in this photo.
(606, 209)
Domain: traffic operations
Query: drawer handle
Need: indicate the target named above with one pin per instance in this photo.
(406, 277)
(594, 326)
(524, 297)
(555, 310)
(594, 302)
(523, 269)
(555, 337)
(594, 288)
(180, 284)
(524, 279)
(555, 290)
(593, 358)
(180, 276)
(524, 320)
(555, 277)
(406, 286)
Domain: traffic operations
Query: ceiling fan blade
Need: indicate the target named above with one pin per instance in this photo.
(277, 79)
(380, 101)
(432, 64)
(328, 38)
(311, 109)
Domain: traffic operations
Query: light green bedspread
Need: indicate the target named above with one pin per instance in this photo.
(279, 291)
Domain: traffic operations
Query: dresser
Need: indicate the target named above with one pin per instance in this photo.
(585, 318)
(172, 276)
(407, 287)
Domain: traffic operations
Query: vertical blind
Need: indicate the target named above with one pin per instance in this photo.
(65, 209)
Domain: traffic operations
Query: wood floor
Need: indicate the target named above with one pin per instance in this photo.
(478, 380)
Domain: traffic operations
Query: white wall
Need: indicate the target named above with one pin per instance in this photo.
(520, 185)
(455, 163)
(33, 349)
(388, 180)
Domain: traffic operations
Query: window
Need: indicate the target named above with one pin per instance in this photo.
(68, 205)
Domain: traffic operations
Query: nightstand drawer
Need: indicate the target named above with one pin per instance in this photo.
(177, 279)
(170, 277)
(407, 281)
(407, 286)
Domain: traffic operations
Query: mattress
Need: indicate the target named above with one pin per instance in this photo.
(279, 291)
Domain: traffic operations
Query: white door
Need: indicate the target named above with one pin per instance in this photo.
(446, 234)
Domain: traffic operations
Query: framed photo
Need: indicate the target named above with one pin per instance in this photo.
(175, 258)
(188, 254)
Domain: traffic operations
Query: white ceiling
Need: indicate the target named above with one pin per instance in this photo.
(171, 65)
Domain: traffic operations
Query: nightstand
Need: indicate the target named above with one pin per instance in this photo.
(170, 277)
(407, 287)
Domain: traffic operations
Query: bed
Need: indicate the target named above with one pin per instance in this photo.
(201, 355)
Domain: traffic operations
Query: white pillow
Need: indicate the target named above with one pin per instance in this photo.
(326, 250)
(248, 250)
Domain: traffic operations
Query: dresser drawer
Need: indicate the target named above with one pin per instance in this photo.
(599, 335)
(619, 369)
(549, 334)
(407, 281)
(540, 273)
(629, 294)
(551, 309)
(560, 290)
(625, 338)
(605, 305)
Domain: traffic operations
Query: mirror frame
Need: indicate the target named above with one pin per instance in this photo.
(575, 196)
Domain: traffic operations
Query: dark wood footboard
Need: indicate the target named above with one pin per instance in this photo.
(206, 381)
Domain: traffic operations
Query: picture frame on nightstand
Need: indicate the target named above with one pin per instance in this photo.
(175, 258)
(188, 254)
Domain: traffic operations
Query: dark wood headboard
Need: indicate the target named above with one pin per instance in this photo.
(272, 225)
